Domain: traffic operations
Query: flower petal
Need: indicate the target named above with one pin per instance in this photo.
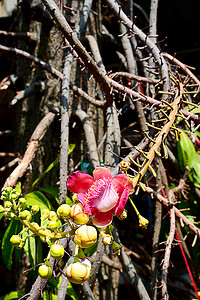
(102, 219)
(102, 173)
(103, 198)
(79, 182)
(81, 198)
(120, 181)
(122, 202)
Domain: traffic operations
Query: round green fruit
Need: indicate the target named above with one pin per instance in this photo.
(57, 251)
(15, 240)
(45, 271)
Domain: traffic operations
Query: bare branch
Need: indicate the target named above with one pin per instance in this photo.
(117, 10)
(90, 137)
(19, 35)
(37, 61)
(79, 48)
(32, 147)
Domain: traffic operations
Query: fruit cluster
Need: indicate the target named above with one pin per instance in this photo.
(83, 235)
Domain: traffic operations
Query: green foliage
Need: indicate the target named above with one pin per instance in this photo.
(49, 296)
(53, 164)
(12, 295)
(38, 198)
(7, 249)
(188, 156)
(71, 292)
(91, 250)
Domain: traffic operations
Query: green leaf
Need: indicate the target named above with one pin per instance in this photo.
(69, 201)
(186, 150)
(7, 249)
(91, 250)
(37, 198)
(71, 292)
(39, 256)
(49, 296)
(12, 295)
(54, 192)
(53, 164)
(32, 250)
(18, 187)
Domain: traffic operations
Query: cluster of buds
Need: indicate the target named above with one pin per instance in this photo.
(49, 230)
(84, 236)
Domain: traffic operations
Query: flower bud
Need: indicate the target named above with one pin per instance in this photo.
(77, 272)
(124, 165)
(8, 189)
(43, 238)
(52, 225)
(52, 216)
(22, 201)
(123, 215)
(75, 198)
(57, 251)
(10, 215)
(8, 204)
(45, 271)
(107, 239)
(15, 195)
(34, 209)
(85, 236)
(44, 214)
(143, 222)
(24, 214)
(116, 248)
(15, 240)
(64, 211)
(78, 215)
(4, 196)
(35, 225)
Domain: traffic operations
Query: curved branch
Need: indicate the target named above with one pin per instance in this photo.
(117, 10)
(182, 66)
(30, 153)
(38, 61)
(79, 48)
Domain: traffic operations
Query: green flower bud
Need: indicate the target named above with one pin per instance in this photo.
(34, 209)
(57, 251)
(8, 204)
(15, 195)
(44, 214)
(46, 238)
(143, 222)
(52, 216)
(22, 201)
(45, 271)
(75, 198)
(15, 240)
(35, 225)
(10, 215)
(24, 214)
(52, 225)
(8, 189)
(4, 196)
(64, 211)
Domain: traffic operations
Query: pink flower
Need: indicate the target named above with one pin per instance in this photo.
(102, 195)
